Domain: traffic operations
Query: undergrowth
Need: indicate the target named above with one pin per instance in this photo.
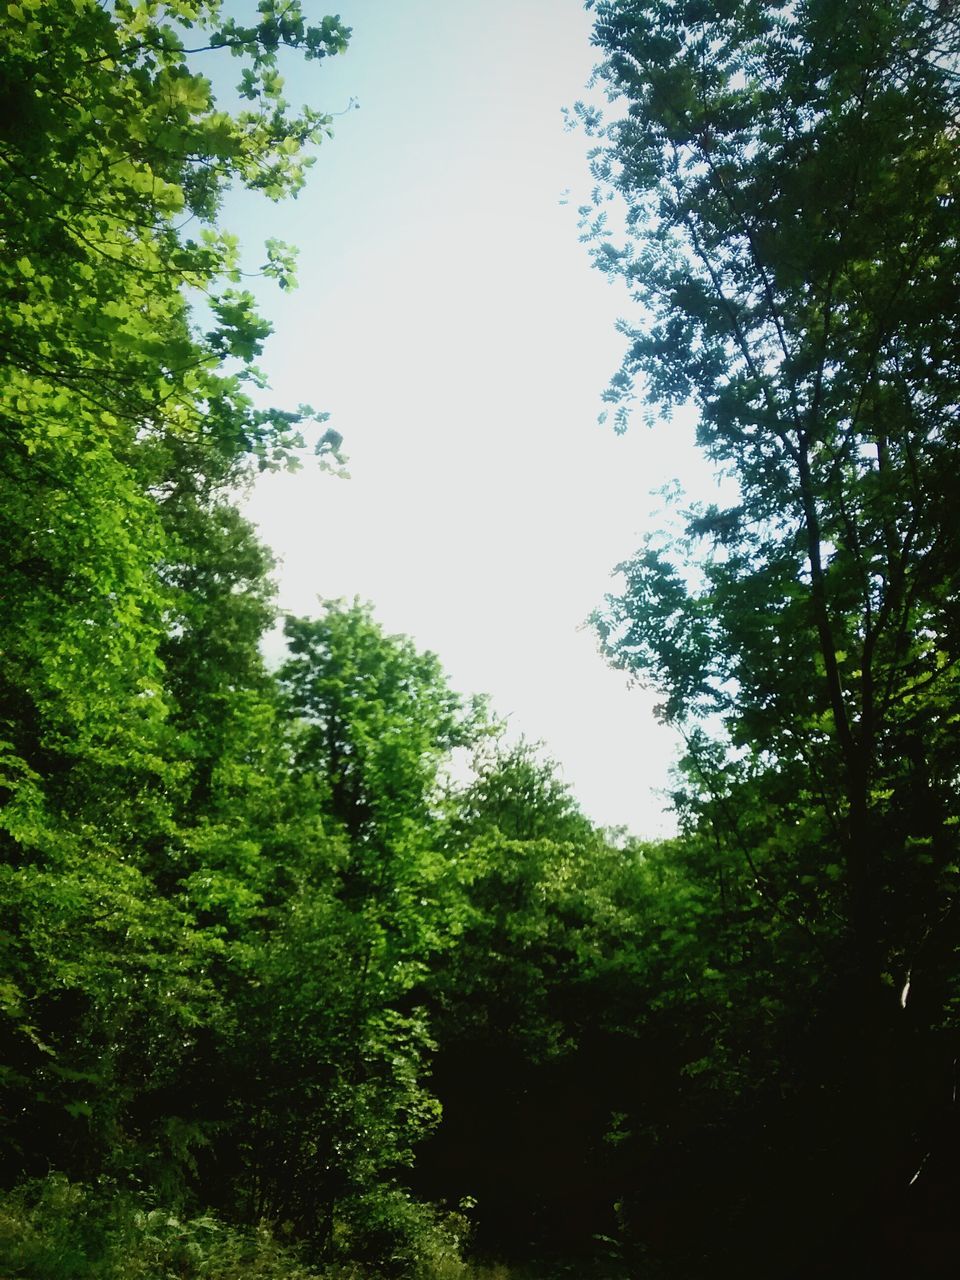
(54, 1229)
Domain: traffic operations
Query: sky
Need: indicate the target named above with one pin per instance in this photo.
(449, 320)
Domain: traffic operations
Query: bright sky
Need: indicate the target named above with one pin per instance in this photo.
(450, 321)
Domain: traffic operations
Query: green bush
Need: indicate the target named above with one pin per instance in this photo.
(57, 1230)
(390, 1234)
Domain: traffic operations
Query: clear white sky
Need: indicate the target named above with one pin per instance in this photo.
(450, 321)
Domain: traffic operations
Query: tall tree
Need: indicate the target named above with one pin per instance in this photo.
(523, 1084)
(333, 1038)
(125, 419)
(791, 176)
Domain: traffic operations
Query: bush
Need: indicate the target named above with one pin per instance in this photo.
(394, 1235)
(57, 1230)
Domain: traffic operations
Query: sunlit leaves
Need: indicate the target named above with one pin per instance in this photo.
(140, 757)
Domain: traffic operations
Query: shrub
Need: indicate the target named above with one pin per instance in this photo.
(53, 1229)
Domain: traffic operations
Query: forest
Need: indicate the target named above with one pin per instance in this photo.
(287, 993)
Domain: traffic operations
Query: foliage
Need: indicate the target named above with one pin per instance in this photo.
(790, 178)
(315, 1086)
(522, 1114)
(393, 1234)
(113, 145)
(263, 960)
(57, 1230)
(139, 728)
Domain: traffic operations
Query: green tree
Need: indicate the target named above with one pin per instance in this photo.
(331, 1041)
(128, 862)
(523, 1081)
(790, 175)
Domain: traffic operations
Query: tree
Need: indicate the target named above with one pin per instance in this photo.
(378, 721)
(331, 1097)
(791, 174)
(524, 1091)
(126, 418)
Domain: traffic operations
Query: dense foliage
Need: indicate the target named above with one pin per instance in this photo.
(280, 995)
(791, 177)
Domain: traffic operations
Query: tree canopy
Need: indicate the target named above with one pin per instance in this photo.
(790, 175)
(310, 971)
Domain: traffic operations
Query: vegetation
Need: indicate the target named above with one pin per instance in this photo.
(791, 177)
(279, 997)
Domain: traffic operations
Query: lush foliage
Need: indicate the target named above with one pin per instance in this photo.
(791, 175)
(278, 993)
